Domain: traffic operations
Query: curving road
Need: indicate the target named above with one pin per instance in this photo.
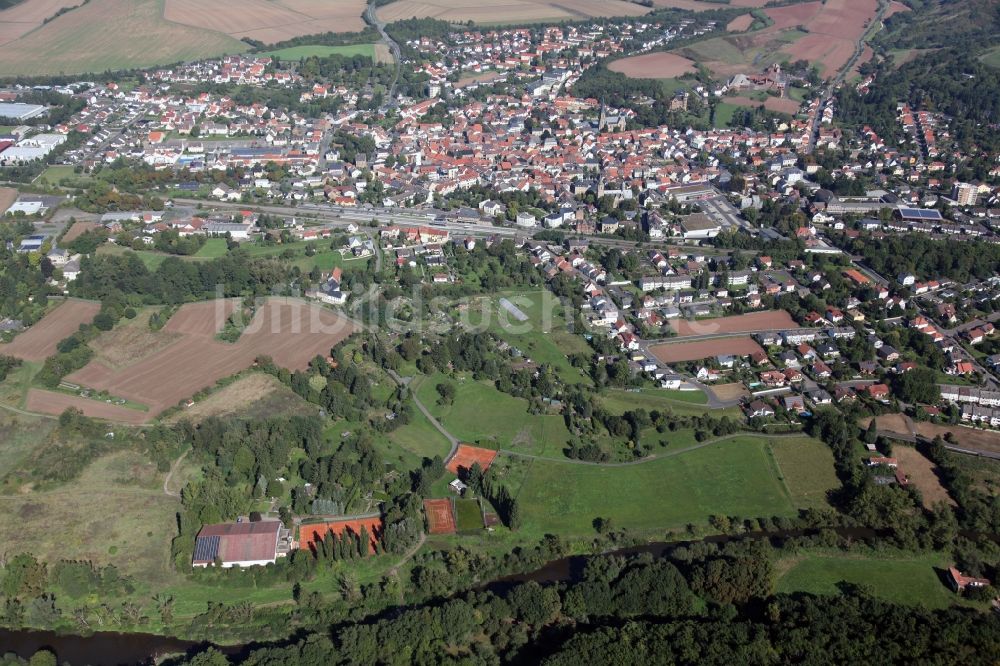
(371, 18)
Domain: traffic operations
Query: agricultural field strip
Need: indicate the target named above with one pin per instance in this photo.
(197, 360)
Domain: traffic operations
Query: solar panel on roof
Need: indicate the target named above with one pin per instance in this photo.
(206, 549)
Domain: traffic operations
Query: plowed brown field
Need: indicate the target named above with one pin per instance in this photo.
(290, 331)
(653, 66)
(675, 352)
(53, 402)
(39, 341)
(768, 320)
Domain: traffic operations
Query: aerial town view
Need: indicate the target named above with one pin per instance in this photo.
(532, 332)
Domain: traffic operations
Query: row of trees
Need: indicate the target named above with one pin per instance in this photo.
(717, 607)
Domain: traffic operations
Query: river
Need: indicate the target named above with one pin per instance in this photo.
(99, 649)
(118, 649)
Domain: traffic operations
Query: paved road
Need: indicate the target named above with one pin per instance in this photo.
(406, 381)
(371, 17)
(838, 79)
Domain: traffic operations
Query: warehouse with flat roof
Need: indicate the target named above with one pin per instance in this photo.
(20, 112)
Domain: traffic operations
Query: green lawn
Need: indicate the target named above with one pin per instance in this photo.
(805, 465)
(56, 173)
(992, 57)
(150, 258)
(420, 437)
(212, 249)
(681, 403)
(543, 337)
(293, 53)
(724, 113)
(485, 416)
(733, 477)
(324, 260)
(798, 94)
(620, 400)
(468, 516)
(902, 579)
(719, 48)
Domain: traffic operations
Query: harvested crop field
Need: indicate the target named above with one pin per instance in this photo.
(923, 474)
(467, 455)
(890, 423)
(256, 393)
(703, 6)
(25, 16)
(653, 66)
(440, 516)
(90, 39)
(290, 331)
(986, 440)
(973, 438)
(53, 402)
(733, 391)
(485, 77)
(507, 11)
(828, 32)
(39, 341)
(740, 23)
(78, 229)
(778, 104)
(769, 320)
(268, 21)
(8, 195)
(130, 341)
(833, 27)
(675, 352)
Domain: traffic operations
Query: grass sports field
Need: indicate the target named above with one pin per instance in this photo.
(903, 579)
(733, 477)
(294, 53)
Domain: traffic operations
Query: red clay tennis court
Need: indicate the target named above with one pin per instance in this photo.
(440, 517)
(313, 532)
(466, 455)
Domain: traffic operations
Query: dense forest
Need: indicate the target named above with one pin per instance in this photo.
(697, 605)
(927, 258)
(950, 81)
(942, 24)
